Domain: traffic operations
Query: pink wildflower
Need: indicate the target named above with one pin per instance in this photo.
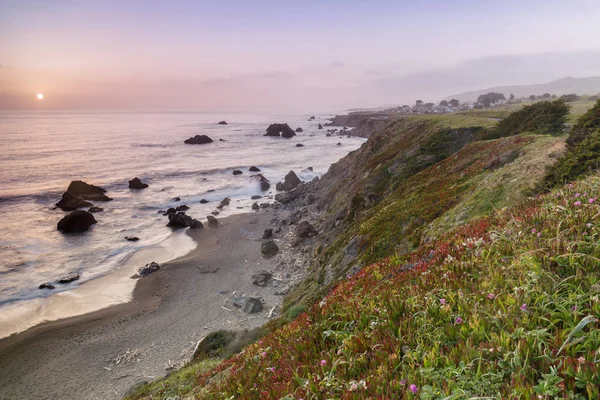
(459, 320)
(577, 195)
(581, 360)
(323, 362)
(523, 307)
(577, 203)
(414, 389)
(443, 302)
(539, 234)
(591, 200)
(491, 296)
(533, 230)
(264, 353)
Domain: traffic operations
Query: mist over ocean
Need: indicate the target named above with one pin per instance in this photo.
(42, 152)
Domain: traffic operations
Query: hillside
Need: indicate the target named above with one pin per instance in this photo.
(580, 86)
(435, 274)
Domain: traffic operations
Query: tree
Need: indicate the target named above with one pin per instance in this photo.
(511, 97)
(569, 97)
(546, 96)
(454, 103)
(444, 103)
(419, 102)
(532, 97)
(429, 105)
(490, 98)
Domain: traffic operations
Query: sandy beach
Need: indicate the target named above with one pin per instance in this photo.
(101, 355)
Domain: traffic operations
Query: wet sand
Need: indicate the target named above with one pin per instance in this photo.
(171, 310)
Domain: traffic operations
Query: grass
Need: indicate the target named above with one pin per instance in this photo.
(457, 120)
(504, 307)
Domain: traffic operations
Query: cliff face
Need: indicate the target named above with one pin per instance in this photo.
(364, 124)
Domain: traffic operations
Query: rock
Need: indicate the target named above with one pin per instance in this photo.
(255, 206)
(256, 197)
(225, 202)
(68, 278)
(269, 248)
(212, 221)
(183, 221)
(148, 269)
(299, 145)
(310, 169)
(283, 291)
(299, 130)
(95, 209)
(268, 233)
(279, 186)
(341, 214)
(338, 144)
(320, 126)
(77, 221)
(176, 198)
(287, 197)
(132, 238)
(254, 169)
(291, 181)
(261, 278)
(311, 118)
(87, 191)
(237, 172)
(310, 199)
(282, 130)
(252, 305)
(71, 202)
(46, 285)
(182, 207)
(222, 122)
(198, 139)
(136, 183)
(222, 140)
(265, 205)
(203, 201)
(171, 211)
(305, 230)
(262, 181)
(328, 135)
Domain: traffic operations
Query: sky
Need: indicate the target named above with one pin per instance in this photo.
(283, 56)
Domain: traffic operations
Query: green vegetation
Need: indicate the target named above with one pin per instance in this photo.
(583, 154)
(505, 307)
(457, 120)
(544, 117)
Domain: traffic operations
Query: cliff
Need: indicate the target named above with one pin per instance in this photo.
(364, 123)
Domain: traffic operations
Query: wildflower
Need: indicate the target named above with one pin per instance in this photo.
(403, 382)
(539, 234)
(591, 200)
(533, 230)
(574, 308)
(323, 362)
(353, 386)
(577, 195)
(443, 302)
(491, 296)
(581, 360)
(577, 203)
(413, 388)
(523, 307)
(459, 320)
(264, 354)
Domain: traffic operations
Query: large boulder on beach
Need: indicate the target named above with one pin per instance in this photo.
(237, 172)
(269, 248)
(198, 139)
(212, 221)
(261, 278)
(183, 221)
(71, 202)
(262, 181)
(148, 269)
(299, 130)
(291, 181)
(77, 221)
(282, 130)
(136, 183)
(87, 191)
(252, 305)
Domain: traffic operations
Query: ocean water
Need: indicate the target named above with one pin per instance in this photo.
(42, 152)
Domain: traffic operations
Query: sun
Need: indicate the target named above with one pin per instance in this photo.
(40, 96)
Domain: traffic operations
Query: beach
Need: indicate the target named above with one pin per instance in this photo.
(101, 355)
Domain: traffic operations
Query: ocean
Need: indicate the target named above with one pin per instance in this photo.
(42, 152)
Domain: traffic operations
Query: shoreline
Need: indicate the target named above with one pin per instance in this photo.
(169, 312)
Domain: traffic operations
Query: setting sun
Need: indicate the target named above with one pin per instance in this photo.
(40, 96)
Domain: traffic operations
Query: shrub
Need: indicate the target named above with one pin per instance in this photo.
(569, 97)
(588, 123)
(545, 117)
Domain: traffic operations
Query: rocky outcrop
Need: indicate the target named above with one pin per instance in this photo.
(299, 145)
(203, 201)
(225, 202)
(298, 130)
(46, 285)
(148, 269)
(198, 139)
(222, 122)
(282, 130)
(178, 221)
(262, 181)
(136, 183)
(320, 126)
(182, 207)
(269, 248)
(71, 202)
(254, 169)
(212, 221)
(87, 191)
(291, 181)
(364, 123)
(237, 172)
(279, 186)
(268, 233)
(68, 279)
(132, 238)
(255, 207)
(305, 230)
(77, 221)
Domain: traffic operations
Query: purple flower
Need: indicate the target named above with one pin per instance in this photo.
(459, 320)
(533, 230)
(264, 353)
(323, 362)
(577, 203)
(523, 307)
(403, 382)
(443, 302)
(414, 389)
(577, 195)
(591, 200)
(491, 296)
(574, 308)
(539, 234)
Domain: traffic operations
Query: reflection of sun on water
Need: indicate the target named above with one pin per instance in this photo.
(40, 96)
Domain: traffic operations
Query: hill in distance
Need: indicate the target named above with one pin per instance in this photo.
(580, 86)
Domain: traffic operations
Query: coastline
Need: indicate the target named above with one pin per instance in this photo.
(158, 329)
